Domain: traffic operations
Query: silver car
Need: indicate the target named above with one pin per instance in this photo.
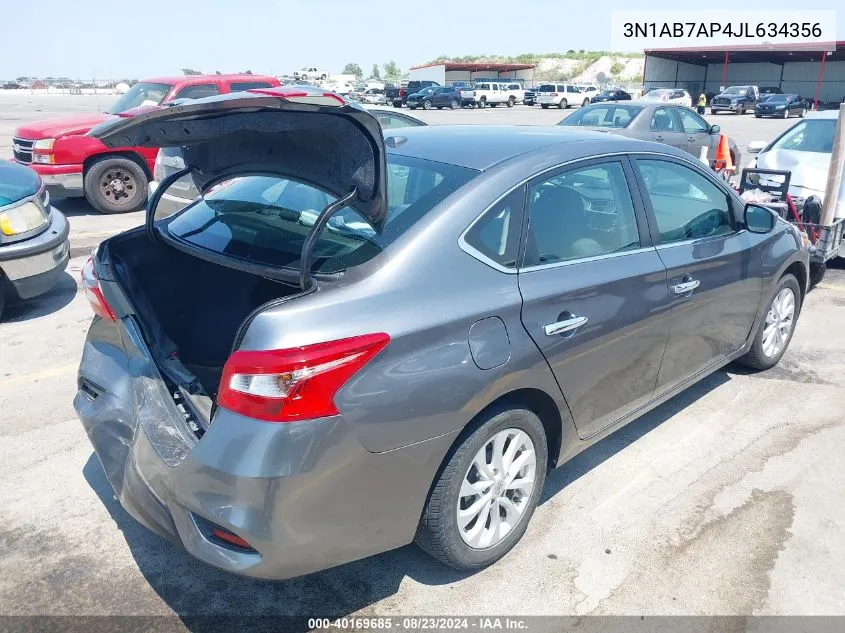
(352, 342)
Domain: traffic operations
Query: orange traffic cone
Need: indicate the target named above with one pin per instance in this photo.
(723, 155)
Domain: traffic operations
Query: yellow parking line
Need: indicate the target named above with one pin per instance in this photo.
(38, 375)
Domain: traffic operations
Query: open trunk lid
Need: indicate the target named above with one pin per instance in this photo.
(304, 134)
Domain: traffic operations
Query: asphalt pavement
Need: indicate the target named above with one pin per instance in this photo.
(726, 500)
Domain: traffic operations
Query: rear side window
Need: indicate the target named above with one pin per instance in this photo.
(663, 120)
(264, 219)
(496, 234)
(483, 87)
(238, 86)
(585, 212)
(610, 115)
(198, 91)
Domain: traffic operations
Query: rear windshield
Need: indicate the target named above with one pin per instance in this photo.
(142, 93)
(808, 136)
(778, 99)
(611, 115)
(264, 219)
(546, 88)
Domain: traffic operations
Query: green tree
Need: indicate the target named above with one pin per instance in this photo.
(391, 70)
(190, 71)
(375, 74)
(353, 69)
(617, 68)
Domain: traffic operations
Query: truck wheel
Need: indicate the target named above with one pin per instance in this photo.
(115, 185)
(323, 76)
(482, 103)
(545, 106)
(511, 101)
(486, 491)
(493, 105)
(712, 111)
(563, 104)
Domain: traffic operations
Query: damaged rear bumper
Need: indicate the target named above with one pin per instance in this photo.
(305, 496)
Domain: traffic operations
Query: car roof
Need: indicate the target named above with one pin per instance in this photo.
(483, 146)
(200, 79)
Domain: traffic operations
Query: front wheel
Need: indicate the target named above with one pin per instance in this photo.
(115, 185)
(803, 113)
(486, 492)
(758, 116)
(775, 332)
(511, 101)
(712, 111)
(454, 104)
(483, 103)
(585, 102)
(426, 104)
(786, 113)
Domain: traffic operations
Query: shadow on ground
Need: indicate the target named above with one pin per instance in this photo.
(52, 301)
(196, 591)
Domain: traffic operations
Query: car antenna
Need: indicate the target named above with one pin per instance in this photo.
(311, 239)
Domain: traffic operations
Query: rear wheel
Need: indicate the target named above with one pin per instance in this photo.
(803, 113)
(482, 103)
(775, 332)
(712, 112)
(486, 492)
(563, 104)
(545, 106)
(511, 101)
(115, 185)
(758, 116)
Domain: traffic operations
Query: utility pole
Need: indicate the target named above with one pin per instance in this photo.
(834, 174)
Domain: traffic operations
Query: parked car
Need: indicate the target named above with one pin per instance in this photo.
(529, 97)
(736, 99)
(804, 150)
(614, 94)
(437, 97)
(588, 92)
(421, 99)
(392, 91)
(669, 95)
(274, 409)
(183, 191)
(673, 125)
(768, 91)
(516, 93)
(489, 93)
(33, 236)
(413, 87)
(782, 105)
(113, 180)
(560, 95)
(375, 96)
(311, 73)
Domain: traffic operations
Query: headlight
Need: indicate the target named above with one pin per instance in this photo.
(21, 219)
(43, 151)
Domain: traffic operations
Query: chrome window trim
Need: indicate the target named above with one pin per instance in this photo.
(582, 260)
(478, 255)
(698, 240)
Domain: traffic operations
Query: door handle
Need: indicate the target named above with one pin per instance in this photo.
(685, 287)
(559, 327)
(658, 138)
(691, 139)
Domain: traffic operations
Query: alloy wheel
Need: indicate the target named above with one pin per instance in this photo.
(496, 490)
(779, 323)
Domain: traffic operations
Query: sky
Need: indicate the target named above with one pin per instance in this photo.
(112, 39)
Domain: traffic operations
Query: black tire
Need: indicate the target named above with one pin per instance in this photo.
(494, 105)
(817, 273)
(563, 105)
(426, 104)
(586, 102)
(755, 358)
(101, 194)
(758, 116)
(545, 106)
(511, 101)
(438, 532)
(482, 103)
(786, 113)
(454, 104)
(803, 113)
(712, 111)
(410, 107)
(397, 104)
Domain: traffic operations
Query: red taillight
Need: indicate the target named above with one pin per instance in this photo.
(287, 385)
(93, 292)
(233, 539)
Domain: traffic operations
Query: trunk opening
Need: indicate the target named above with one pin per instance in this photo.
(198, 305)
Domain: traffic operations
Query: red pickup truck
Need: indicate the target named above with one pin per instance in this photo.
(72, 164)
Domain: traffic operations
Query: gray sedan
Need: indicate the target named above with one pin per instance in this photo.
(364, 341)
(673, 125)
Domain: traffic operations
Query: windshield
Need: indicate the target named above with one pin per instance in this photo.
(808, 136)
(778, 99)
(610, 115)
(264, 219)
(735, 90)
(140, 94)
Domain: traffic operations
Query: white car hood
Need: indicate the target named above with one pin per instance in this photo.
(809, 173)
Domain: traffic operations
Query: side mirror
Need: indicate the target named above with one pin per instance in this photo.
(715, 129)
(759, 219)
(755, 147)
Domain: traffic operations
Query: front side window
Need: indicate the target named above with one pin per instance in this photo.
(264, 219)
(692, 123)
(389, 121)
(496, 234)
(584, 212)
(686, 204)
